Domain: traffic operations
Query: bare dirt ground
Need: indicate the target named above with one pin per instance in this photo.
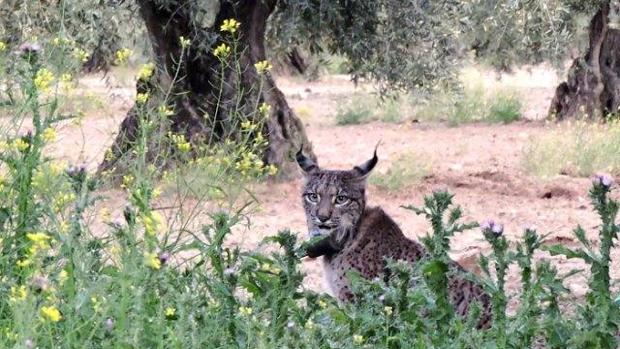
(480, 163)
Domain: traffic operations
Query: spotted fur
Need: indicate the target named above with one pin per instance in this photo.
(360, 238)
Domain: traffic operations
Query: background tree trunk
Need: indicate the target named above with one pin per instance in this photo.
(592, 88)
(207, 92)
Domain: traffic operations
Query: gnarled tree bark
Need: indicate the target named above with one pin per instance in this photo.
(592, 89)
(207, 91)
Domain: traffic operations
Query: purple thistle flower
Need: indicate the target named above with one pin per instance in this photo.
(498, 229)
(487, 224)
(40, 283)
(490, 225)
(29, 48)
(109, 324)
(603, 179)
(164, 257)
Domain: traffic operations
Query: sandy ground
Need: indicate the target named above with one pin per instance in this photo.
(481, 164)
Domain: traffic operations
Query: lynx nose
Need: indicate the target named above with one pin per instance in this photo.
(322, 218)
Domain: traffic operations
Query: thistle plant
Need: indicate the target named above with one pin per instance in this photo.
(436, 269)
(600, 317)
(501, 258)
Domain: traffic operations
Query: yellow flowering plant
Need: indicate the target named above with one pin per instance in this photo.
(262, 67)
(230, 25)
(43, 79)
(122, 55)
(146, 71)
(50, 313)
(222, 51)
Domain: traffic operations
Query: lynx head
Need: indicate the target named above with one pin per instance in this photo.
(334, 200)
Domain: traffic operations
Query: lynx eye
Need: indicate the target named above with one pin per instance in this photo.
(341, 200)
(312, 198)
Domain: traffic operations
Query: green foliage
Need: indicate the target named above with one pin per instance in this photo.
(504, 108)
(405, 170)
(98, 29)
(574, 148)
(471, 105)
(417, 45)
(363, 108)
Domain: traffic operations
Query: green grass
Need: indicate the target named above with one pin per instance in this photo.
(574, 148)
(471, 105)
(365, 108)
(405, 170)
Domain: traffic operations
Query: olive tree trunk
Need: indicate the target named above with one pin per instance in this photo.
(592, 89)
(205, 92)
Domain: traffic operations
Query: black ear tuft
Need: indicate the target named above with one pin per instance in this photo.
(364, 169)
(306, 164)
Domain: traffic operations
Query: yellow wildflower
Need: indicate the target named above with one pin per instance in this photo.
(50, 313)
(62, 276)
(165, 111)
(170, 312)
(182, 144)
(2, 46)
(43, 79)
(38, 237)
(322, 304)
(24, 263)
(388, 310)
(247, 311)
(40, 242)
(222, 51)
(123, 55)
(109, 155)
(248, 125)
(38, 178)
(49, 135)
(66, 82)
(153, 223)
(127, 181)
(20, 144)
(141, 98)
(262, 67)
(264, 109)
(151, 260)
(230, 25)
(96, 304)
(271, 169)
(156, 193)
(62, 200)
(259, 139)
(358, 339)
(184, 42)
(56, 168)
(146, 71)
(64, 227)
(80, 55)
(18, 293)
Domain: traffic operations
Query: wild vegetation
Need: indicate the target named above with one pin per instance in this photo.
(163, 274)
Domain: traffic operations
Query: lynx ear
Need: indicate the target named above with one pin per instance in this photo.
(306, 164)
(364, 169)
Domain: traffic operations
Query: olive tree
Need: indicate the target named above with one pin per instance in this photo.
(400, 45)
